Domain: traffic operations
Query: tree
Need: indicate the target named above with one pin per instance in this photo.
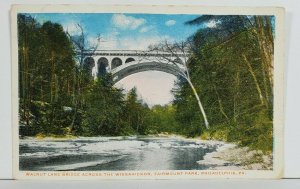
(180, 55)
(82, 46)
(83, 77)
(45, 58)
(228, 29)
(230, 67)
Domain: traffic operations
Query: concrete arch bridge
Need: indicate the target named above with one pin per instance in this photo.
(122, 63)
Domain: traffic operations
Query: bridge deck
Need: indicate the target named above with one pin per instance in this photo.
(133, 53)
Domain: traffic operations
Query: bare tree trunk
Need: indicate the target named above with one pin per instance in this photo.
(56, 87)
(236, 95)
(138, 122)
(199, 103)
(266, 87)
(255, 79)
(266, 45)
(220, 103)
(73, 119)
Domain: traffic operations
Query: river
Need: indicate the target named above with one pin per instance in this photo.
(113, 153)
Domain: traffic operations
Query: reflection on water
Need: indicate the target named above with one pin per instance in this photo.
(112, 153)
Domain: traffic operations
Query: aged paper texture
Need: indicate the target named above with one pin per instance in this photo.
(147, 92)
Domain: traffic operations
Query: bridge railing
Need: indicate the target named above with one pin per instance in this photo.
(132, 53)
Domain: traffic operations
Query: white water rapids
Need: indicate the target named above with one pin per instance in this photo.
(114, 153)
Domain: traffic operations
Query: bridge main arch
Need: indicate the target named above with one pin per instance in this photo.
(135, 67)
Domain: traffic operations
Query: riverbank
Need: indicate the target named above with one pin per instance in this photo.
(233, 157)
(43, 137)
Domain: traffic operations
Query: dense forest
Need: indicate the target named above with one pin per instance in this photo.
(231, 68)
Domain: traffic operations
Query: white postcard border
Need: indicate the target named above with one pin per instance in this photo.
(279, 88)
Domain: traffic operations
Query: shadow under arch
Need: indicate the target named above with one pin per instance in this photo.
(103, 66)
(88, 65)
(129, 60)
(116, 62)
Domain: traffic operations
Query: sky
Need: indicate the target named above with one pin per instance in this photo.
(130, 32)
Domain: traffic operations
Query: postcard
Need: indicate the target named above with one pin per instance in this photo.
(147, 92)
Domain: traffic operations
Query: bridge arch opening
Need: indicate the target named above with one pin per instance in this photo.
(103, 66)
(116, 62)
(88, 65)
(147, 86)
(129, 60)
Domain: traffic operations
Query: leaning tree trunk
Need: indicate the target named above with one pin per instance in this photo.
(173, 50)
(250, 69)
(199, 103)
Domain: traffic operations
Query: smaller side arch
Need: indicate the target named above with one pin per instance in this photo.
(116, 62)
(88, 64)
(129, 60)
(103, 66)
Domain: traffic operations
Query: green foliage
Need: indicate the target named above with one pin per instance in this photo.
(162, 120)
(230, 68)
(46, 76)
